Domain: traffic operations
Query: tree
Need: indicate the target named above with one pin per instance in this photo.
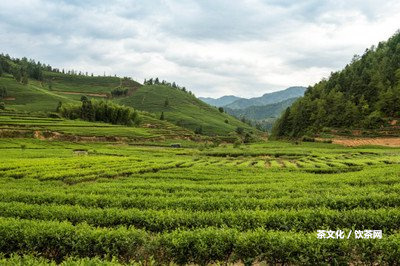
(59, 106)
(84, 98)
(221, 110)
(239, 130)
(199, 130)
(162, 116)
(3, 92)
(25, 80)
(2, 106)
(1, 70)
(16, 72)
(247, 138)
(226, 121)
(156, 81)
(166, 103)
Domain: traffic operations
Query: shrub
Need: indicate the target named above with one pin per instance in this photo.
(307, 139)
(237, 143)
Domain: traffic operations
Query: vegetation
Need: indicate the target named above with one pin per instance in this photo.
(254, 203)
(365, 94)
(183, 109)
(101, 111)
(57, 88)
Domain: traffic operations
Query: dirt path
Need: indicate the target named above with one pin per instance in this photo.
(390, 142)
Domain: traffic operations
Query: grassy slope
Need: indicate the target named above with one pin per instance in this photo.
(74, 83)
(31, 97)
(36, 97)
(183, 109)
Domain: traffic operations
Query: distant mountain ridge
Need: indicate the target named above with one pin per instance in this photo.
(221, 101)
(260, 111)
(268, 98)
(273, 110)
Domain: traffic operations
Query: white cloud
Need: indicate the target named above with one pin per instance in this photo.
(213, 48)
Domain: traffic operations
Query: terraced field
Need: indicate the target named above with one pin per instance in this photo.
(19, 124)
(117, 203)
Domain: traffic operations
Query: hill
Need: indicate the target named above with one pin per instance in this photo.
(364, 95)
(268, 98)
(183, 109)
(29, 86)
(263, 111)
(222, 101)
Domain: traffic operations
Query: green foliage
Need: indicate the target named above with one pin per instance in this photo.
(119, 92)
(136, 205)
(24, 80)
(360, 95)
(237, 143)
(183, 109)
(239, 130)
(199, 130)
(2, 106)
(100, 111)
(221, 109)
(162, 116)
(3, 92)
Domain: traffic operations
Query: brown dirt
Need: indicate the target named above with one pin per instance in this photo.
(103, 95)
(390, 142)
(9, 98)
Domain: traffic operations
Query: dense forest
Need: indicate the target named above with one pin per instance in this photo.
(365, 94)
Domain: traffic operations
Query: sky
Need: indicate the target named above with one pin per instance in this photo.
(212, 47)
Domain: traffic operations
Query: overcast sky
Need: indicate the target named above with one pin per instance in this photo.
(213, 47)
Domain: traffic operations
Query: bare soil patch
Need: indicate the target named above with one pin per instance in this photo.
(389, 142)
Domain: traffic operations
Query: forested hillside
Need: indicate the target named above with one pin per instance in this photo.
(365, 94)
(263, 111)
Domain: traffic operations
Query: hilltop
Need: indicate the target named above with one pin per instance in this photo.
(364, 95)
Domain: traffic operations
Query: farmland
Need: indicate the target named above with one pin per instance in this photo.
(261, 203)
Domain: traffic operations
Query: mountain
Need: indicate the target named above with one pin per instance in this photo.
(364, 95)
(273, 110)
(268, 98)
(219, 102)
(32, 87)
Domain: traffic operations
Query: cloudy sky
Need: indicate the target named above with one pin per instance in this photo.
(213, 47)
